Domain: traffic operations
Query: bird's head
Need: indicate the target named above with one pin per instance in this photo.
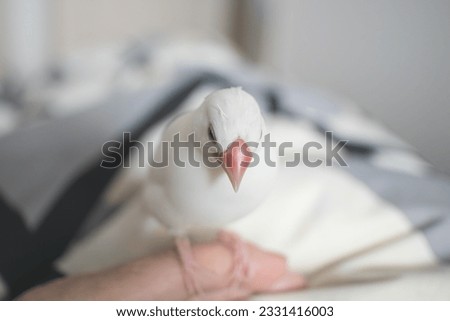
(232, 120)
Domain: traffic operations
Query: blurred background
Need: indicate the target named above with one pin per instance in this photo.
(390, 56)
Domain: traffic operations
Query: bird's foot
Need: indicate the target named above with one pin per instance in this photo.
(241, 276)
(241, 264)
(190, 267)
(194, 273)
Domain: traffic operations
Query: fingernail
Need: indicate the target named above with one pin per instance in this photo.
(289, 281)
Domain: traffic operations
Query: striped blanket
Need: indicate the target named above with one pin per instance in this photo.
(385, 214)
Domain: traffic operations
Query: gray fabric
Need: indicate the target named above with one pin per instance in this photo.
(61, 148)
(323, 108)
(39, 162)
(422, 195)
(424, 200)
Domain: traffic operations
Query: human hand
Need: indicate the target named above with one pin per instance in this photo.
(160, 277)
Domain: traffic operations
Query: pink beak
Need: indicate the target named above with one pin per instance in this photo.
(235, 162)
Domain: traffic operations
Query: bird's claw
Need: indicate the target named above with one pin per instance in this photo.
(241, 266)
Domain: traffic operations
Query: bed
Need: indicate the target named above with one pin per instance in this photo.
(377, 228)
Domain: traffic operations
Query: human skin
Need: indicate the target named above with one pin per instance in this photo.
(160, 277)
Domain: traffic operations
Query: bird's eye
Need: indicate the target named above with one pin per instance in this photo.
(211, 134)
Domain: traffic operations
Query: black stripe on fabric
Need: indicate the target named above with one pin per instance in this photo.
(16, 240)
(359, 149)
(33, 261)
(273, 101)
(353, 148)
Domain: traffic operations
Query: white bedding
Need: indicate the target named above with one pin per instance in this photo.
(358, 232)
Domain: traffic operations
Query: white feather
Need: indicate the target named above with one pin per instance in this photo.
(188, 197)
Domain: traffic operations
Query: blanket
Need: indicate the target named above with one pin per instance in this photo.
(384, 213)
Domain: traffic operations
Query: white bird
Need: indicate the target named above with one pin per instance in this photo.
(198, 195)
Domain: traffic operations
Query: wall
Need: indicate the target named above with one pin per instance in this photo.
(391, 56)
(76, 24)
(84, 23)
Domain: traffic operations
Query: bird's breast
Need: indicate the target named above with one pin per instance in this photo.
(204, 196)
